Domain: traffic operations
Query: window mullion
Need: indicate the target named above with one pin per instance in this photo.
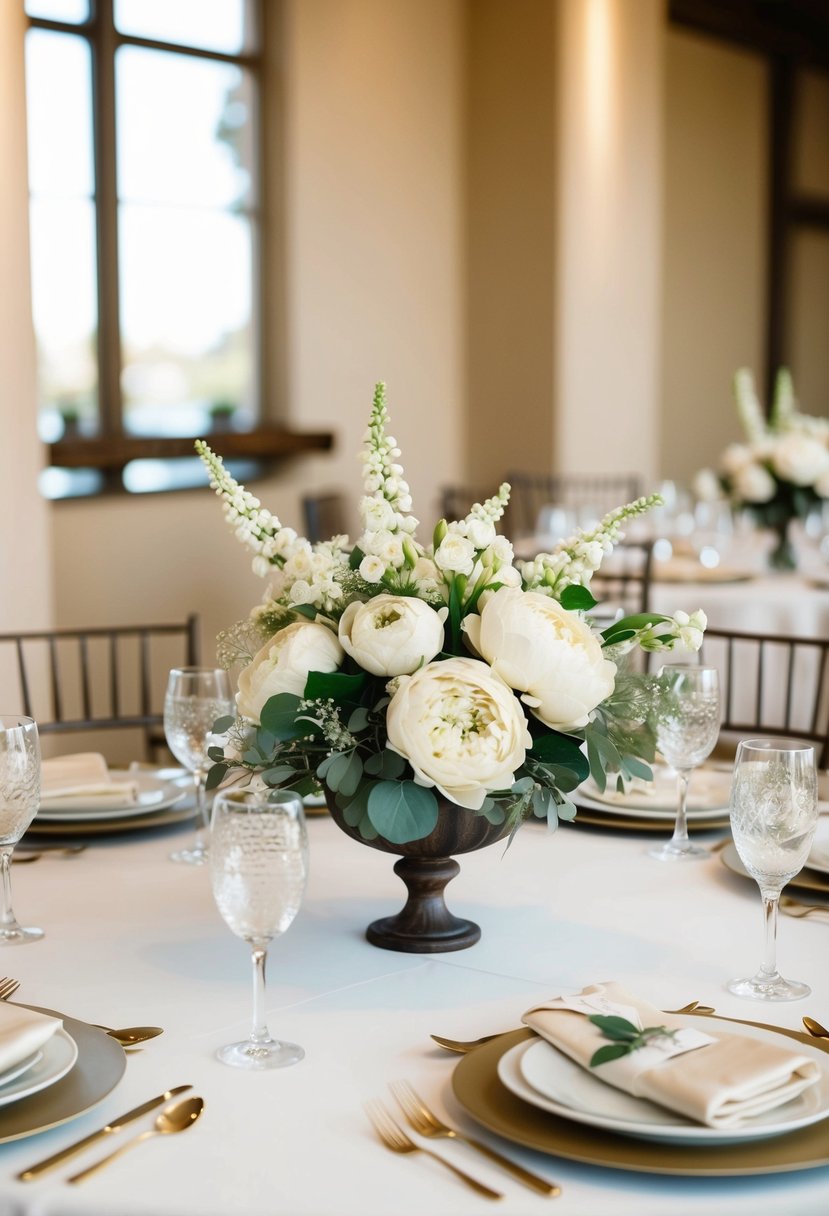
(106, 198)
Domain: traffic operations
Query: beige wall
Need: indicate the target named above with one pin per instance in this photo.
(510, 114)
(608, 245)
(25, 541)
(372, 205)
(713, 294)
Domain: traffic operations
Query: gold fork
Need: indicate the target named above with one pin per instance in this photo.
(396, 1139)
(426, 1123)
(8, 986)
(793, 907)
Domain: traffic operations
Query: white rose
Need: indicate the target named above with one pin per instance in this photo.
(735, 457)
(753, 483)
(283, 664)
(460, 728)
(800, 459)
(455, 553)
(545, 652)
(706, 486)
(392, 635)
(481, 532)
(372, 568)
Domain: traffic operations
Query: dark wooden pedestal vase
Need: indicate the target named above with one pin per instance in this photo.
(425, 925)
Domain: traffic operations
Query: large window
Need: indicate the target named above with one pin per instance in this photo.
(145, 224)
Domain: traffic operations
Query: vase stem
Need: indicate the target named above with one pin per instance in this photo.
(424, 925)
(783, 556)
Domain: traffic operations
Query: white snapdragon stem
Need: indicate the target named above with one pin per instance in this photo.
(748, 406)
(576, 559)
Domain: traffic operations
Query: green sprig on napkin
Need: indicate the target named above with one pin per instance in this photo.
(625, 1037)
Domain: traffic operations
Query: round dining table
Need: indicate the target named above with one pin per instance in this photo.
(133, 939)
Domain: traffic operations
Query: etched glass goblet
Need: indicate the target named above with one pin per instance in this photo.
(688, 724)
(19, 800)
(774, 813)
(259, 868)
(196, 697)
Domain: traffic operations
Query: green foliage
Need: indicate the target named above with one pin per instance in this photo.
(279, 716)
(402, 811)
(576, 598)
(624, 1036)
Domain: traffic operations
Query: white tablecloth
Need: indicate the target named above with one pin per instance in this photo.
(132, 938)
(770, 603)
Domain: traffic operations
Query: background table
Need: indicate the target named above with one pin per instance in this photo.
(132, 938)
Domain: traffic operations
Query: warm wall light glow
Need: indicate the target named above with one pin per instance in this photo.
(599, 81)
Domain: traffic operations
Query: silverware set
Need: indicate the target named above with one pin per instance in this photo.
(176, 1117)
(424, 1122)
(795, 907)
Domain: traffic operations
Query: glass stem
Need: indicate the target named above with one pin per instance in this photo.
(8, 919)
(200, 777)
(680, 835)
(259, 1031)
(769, 967)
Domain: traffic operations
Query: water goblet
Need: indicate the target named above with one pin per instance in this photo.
(774, 813)
(688, 724)
(19, 800)
(196, 697)
(259, 867)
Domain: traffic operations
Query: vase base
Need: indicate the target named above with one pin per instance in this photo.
(389, 934)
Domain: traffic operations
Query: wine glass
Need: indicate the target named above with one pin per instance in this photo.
(688, 723)
(259, 867)
(774, 813)
(196, 697)
(19, 800)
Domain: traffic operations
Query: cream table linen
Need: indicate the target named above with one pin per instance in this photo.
(132, 938)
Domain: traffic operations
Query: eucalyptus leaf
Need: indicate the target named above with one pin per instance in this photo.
(352, 775)
(278, 774)
(223, 724)
(216, 775)
(567, 810)
(386, 764)
(279, 716)
(336, 770)
(402, 811)
(358, 720)
(265, 740)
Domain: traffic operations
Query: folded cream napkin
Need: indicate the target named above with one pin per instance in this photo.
(722, 1083)
(82, 780)
(22, 1033)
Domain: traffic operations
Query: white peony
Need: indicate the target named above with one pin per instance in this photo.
(753, 483)
(800, 459)
(283, 664)
(821, 486)
(392, 635)
(545, 652)
(460, 728)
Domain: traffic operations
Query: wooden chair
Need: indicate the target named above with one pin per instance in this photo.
(95, 679)
(772, 684)
(324, 516)
(532, 491)
(624, 580)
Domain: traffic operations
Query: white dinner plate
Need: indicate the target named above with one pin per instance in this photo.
(17, 1070)
(154, 794)
(57, 1057)
(571, 1092)
(709, 791)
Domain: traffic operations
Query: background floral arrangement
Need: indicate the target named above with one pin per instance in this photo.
(781, 471)
(393, 672)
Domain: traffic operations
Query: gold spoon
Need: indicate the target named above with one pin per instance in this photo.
(130, 1035)
(815, 1029)
(174, 1118)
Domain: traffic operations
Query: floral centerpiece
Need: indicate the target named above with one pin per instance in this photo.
(781, 471)
(440, 693)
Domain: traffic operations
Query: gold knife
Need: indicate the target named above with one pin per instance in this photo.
(35, 1171)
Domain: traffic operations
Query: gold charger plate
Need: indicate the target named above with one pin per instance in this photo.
(478, 1089)
(98, 1069)
(103, 827)
(599, 819)
(806, 880)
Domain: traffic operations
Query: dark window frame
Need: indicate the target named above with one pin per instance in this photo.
(112, 448)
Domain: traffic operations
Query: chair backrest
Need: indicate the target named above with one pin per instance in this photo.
(600, 491)
(772, 684)
(624, 580)
(324, 516)
(93, 679)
